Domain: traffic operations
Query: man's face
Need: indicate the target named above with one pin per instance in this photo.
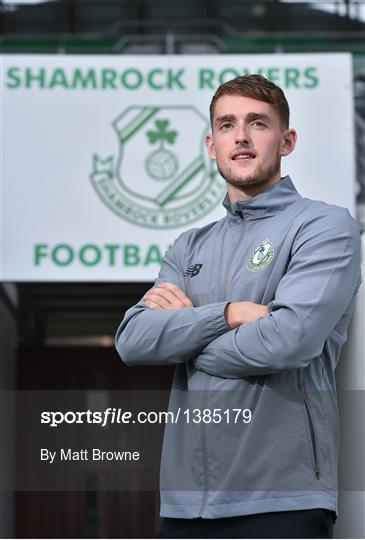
(247, 140)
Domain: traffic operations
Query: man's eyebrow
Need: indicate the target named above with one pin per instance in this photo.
(249, 117)
(258, 116)
(225, 118)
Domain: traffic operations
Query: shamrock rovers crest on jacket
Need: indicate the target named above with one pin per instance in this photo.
(261, 256)
(162, 177)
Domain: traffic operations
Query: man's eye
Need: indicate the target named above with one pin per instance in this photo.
(258, 123)
(227, 125)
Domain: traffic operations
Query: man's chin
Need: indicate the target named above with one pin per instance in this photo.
(259, 176)
(248, 181)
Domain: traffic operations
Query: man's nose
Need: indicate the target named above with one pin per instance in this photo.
(242, 136)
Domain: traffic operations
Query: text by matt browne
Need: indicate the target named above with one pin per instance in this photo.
(84, 454)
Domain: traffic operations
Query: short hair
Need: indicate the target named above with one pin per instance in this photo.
(255, 87)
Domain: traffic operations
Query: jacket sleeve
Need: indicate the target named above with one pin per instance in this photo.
(321, 279)
(168, 336)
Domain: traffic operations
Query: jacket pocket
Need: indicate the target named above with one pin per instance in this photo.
(313, 441)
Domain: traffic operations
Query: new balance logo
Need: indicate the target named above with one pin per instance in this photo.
(193, 270)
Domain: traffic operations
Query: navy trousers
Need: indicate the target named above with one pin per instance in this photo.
(317, 523)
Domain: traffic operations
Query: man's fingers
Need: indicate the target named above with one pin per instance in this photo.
(151, 304)
(175, 290)
(162, 294)
(160, 299)
(164, 298)
(167, 296)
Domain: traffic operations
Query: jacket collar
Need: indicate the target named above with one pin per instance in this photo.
(266, 204)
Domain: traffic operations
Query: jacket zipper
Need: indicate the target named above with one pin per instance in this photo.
(205, 396)
(205, 451)
(314, 444)
(234, 251)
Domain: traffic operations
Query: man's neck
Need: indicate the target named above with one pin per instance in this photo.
(244, 193)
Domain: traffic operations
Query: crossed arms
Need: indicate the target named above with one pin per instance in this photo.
(242, 338)
(170, 296)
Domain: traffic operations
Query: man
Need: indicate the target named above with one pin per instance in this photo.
(253, 310)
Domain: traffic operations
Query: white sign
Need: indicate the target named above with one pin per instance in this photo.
(103, 158)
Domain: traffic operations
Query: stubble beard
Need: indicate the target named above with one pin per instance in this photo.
(261, 176)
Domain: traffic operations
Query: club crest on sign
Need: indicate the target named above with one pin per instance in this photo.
(161, 177)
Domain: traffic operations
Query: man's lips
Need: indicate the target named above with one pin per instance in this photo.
(242, 154)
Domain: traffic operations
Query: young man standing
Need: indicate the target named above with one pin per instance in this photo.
(253, 310)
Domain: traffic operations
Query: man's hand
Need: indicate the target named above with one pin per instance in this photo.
(166, 296)
(238, 313)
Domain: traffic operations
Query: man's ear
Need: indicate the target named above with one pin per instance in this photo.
(288, 142)
(209, 143)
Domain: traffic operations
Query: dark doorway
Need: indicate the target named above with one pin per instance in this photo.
(65, 343)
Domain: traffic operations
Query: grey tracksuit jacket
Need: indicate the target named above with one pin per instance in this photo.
(302, 259)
